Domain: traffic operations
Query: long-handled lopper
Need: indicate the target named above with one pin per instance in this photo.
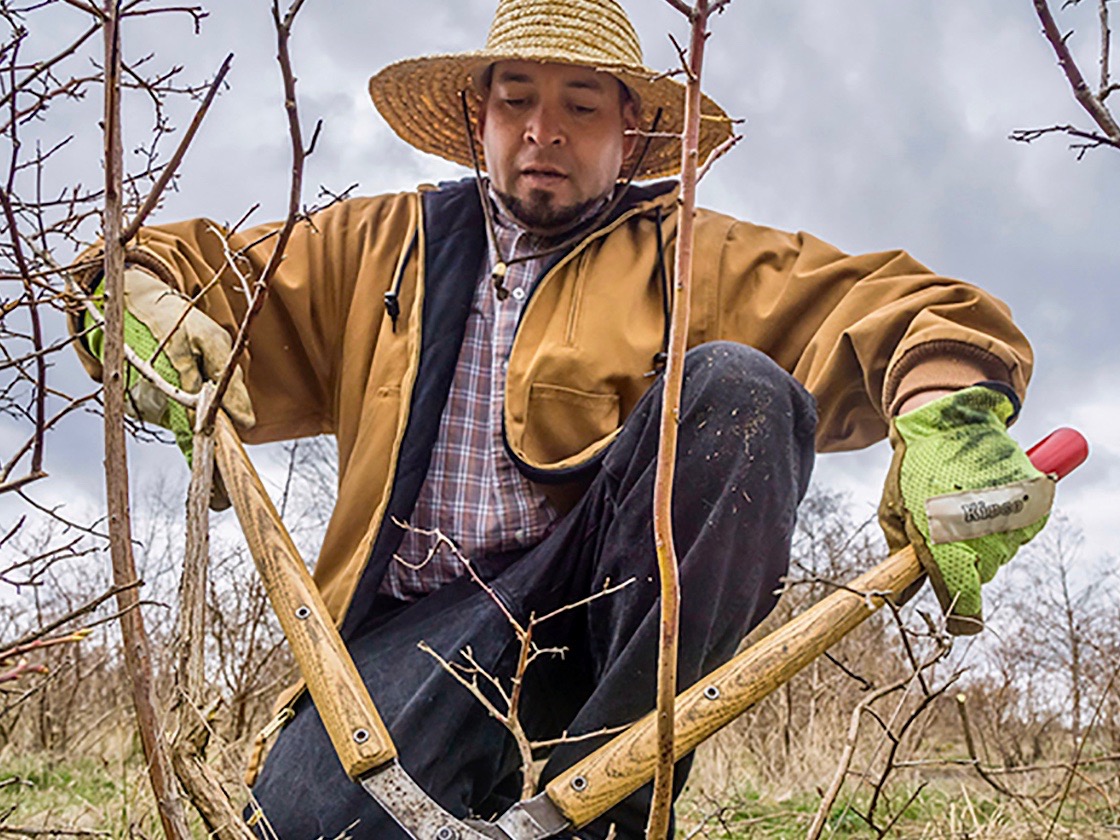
(615, 770)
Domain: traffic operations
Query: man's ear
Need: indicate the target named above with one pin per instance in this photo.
(480, 118)
(630, 126)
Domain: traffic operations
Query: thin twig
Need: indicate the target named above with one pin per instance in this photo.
(22, 669)
(21, 831)
(18, 484)
(17, 456)
(608, 589)
(1080, 748)
(468, 676)
(865, 683)
(1081, 92)
(896, 742)
(1045, 767)
(682, 55)
(470, 685)
(845, 763)
(907, 648)
(885, 830)
(970, 745)
(1106, 45)
(74, 614)
(1092, 139)
(36, 335)
(300, 152)
(172, 165)
(197, 14)
(567, 737)
(716, 153)
(88, 9)
(40, 68)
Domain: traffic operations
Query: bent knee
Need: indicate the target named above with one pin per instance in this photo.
(726, 372)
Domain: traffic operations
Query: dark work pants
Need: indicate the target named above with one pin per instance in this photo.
(745, 454)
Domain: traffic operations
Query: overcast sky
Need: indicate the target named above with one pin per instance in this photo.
(874, 124)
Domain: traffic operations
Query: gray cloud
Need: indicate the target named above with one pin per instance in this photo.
(872, 124)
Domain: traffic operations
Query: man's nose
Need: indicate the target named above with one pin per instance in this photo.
(544, 127)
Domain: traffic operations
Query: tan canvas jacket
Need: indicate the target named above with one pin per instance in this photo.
(861, 332)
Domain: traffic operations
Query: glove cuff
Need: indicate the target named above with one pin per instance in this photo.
(1007, 391)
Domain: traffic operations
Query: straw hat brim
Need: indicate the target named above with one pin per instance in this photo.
(420, 100)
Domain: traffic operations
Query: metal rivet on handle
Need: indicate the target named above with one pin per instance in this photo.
(447, 833)
(711, 692)
(579, 783)
(303, 611)
(361, 736)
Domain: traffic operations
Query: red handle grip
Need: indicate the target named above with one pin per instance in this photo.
(1060, 452)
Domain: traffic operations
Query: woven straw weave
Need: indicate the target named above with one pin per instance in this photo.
(419, 97)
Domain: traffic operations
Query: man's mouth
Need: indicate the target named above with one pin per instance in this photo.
(543, 174)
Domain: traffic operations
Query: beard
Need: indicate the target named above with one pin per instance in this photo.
(540, 213)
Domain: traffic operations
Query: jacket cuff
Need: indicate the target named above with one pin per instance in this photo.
(941, 365)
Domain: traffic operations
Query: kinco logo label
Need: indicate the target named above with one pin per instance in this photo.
(979, 511)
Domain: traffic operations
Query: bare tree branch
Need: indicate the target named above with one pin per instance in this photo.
(36, 331)
(42, 68)
(1081, 743)
(468, 676)
(21, 831)
(172, 165)
(1092, 103)
(716, 153)
(197, 13)
(1106, 46)
(300, 152)
(137, 647)
(1092, 140)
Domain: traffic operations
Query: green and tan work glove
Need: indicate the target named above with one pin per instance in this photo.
(197, 350)
(963, 493)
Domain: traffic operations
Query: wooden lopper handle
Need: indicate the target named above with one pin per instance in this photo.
(355, 728)
(625, 763)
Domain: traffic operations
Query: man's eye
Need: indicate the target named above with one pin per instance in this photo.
(584, 109)
(515, 101)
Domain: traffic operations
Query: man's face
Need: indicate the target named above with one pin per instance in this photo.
(553, 138)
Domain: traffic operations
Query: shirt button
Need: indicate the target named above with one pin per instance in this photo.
(505, 364)
(518, 293)
(519, 535)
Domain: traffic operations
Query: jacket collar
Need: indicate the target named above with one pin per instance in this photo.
(655, 193)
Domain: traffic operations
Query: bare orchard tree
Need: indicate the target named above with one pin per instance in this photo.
(1104, 131)
(65, 63)
(51, 67)
(53, 54)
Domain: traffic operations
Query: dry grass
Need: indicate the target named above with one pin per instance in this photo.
(68, 758)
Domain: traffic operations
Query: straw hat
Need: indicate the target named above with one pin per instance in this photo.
(420, 97)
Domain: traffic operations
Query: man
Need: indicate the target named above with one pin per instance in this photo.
(488, 356)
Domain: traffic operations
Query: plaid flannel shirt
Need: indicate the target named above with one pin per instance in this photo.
(473, 494)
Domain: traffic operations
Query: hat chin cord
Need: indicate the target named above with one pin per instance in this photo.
(501, 264)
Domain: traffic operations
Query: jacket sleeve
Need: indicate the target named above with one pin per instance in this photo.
(336, 267)
(862, 333)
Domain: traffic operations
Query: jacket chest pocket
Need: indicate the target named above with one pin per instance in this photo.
(566, 424)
